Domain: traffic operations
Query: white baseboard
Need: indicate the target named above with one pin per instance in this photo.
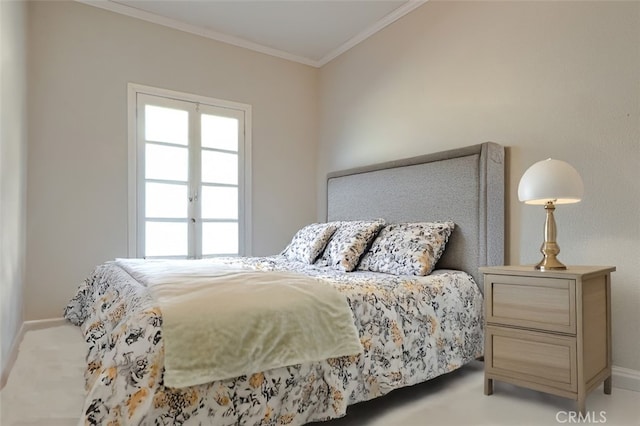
(45, 323)
(15, 346)
(625, 378)
(11, 358)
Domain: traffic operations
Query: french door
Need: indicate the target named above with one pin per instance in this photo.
(191, 180)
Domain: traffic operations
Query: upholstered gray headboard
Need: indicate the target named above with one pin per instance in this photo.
(465, 185)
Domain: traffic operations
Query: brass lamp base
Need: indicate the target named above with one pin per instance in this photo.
(550, 248)
(549, 262)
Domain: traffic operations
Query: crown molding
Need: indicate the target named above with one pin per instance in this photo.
(371, 30)
(240, 42)
(193, 29)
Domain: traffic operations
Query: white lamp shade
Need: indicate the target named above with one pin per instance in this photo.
(550, 180)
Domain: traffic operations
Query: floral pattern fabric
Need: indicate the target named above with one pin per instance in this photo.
(407, 248)
(348, 243)
(309, 242)
(412, 329)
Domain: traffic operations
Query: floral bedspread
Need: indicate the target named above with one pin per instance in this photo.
(412, 329)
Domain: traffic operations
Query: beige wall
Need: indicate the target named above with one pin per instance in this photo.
(13, 143)
(545, 79)
(81, 59)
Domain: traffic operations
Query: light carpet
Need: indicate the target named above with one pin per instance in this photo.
(46, 388)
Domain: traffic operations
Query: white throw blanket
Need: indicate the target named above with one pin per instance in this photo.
(221, 322)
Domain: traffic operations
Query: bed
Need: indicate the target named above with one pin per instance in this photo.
(409, 326)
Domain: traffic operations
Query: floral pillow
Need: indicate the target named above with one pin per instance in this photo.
(407, 248)
(308, 242)
(348, 243)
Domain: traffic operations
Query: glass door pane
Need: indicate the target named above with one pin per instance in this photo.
(166, 162)
(166, 125)
(166, 200)
(219, 202)
(219, 132)
(219, 167)
(219, 238)
(166, 239)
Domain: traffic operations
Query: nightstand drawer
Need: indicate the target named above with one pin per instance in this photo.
(531, 302)
(519, 356)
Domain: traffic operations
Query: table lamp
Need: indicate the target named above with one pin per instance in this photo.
(547, 183)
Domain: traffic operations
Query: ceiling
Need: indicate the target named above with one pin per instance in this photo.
(311, 32)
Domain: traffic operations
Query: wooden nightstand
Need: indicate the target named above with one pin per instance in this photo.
(549, 331)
